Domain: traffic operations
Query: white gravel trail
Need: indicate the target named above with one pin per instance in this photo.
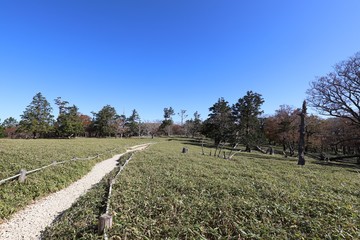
(29, 222)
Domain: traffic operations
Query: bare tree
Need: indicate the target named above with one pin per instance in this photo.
(338, 93)
(183, 116)
(151, 128)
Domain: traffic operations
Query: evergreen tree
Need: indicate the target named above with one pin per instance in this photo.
(246, 114)
(37, 118)
(133, 124)
(69, 122)
(219, 124)
(104, 122)
(167, 122)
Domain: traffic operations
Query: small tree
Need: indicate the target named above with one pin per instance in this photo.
(37, 118)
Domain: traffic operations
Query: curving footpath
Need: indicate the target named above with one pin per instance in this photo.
(29, 222)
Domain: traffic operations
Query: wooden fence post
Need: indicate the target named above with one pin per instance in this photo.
(105, 222)
(22, 176)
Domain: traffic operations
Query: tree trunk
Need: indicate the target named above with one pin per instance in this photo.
(302, 136)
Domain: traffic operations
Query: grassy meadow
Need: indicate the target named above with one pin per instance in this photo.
(31, 154)
(164, 194)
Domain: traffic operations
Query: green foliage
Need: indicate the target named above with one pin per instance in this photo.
(37, 118)
(105, 121)
(69, 122)
(10, 122)
(168, 112)
(133, 123)
(219, 126)
(2, 131)
(165, 127)
(31, 154)
(246, 114)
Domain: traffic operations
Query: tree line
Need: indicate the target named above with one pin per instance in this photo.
(335, 95)
(37, 121)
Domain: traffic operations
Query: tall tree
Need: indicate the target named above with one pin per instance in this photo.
(302, 132)
(183, 116)
(168, 113)
(167, 122)
(61, 104)
(37, 118)
(288, 122)
(105, 121)
(337, 94)
(69, 123)
(219, 124)
(246, 114)
(193, 126)
(133, 124)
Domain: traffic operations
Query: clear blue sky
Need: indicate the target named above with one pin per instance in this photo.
(147, 55)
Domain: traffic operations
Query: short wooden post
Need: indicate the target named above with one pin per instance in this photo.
(22, 176)
(224, 155)
(185, 150)
(105, 222)
(271, 151)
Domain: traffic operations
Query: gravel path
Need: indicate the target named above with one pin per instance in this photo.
(29, 222)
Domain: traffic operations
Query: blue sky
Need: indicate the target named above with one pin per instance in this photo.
(147, 55)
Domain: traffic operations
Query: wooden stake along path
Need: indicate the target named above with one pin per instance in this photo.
(29, 222)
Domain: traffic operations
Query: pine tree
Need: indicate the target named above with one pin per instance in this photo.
(246, 114)
(37, 118)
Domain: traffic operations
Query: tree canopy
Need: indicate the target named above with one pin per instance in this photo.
(37, 118)
(219, 125)
(246, 113)
(337, 94)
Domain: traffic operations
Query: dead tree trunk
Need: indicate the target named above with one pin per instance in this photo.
(233, 149)
(301, 160)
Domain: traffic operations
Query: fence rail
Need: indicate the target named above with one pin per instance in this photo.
(22, 174)
(105, 220)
